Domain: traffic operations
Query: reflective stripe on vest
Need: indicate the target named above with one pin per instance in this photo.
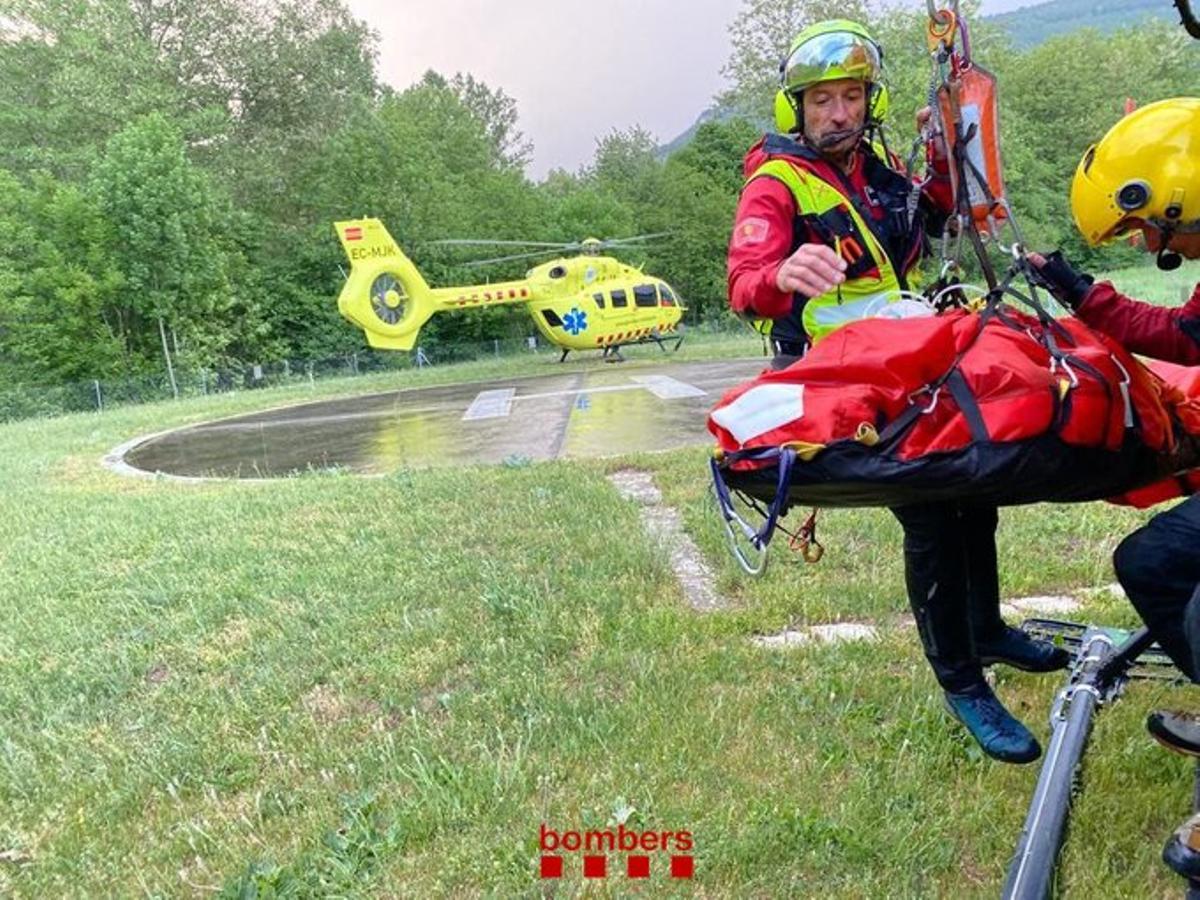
(857, 298)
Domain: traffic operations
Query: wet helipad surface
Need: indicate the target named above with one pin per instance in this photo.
(597, 412)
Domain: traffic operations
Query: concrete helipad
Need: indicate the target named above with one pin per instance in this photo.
(604, 411)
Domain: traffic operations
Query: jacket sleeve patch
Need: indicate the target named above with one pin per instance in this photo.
(750, 230)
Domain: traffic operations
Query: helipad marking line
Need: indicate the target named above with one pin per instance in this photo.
(495, 404)
(665, 525)
(667, 388)
(663, 387)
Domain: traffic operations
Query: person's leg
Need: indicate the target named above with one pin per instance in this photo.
(1159, 567)
(995, 640)
(936, 579)
(1175, 729)
(935, 574)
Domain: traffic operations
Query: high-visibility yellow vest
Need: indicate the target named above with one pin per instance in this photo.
(856, 298)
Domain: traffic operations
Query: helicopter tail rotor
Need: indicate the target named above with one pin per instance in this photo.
(385, 295)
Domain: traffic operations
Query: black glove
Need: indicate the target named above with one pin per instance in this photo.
(1063, 281)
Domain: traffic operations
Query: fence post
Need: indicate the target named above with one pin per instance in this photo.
(311, 383)
(162, 332)
(99, 396)
(496, 345)
(354, 363)
(287, 370)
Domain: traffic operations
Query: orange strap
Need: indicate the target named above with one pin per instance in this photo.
(805, 539)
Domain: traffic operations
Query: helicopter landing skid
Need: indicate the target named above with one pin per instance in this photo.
(612, 353)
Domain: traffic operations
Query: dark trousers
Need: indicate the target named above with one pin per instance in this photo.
(953, 585)
(1159, 568)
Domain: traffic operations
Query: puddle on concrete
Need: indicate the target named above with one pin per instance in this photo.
(611, 410)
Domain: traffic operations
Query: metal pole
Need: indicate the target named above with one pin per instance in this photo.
(1097, 676)
(99, 397)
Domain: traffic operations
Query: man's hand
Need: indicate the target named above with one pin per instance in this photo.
(1061, 278)
(814, 269)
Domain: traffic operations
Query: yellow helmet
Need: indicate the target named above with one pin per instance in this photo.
(1147, 168)
(829, 51)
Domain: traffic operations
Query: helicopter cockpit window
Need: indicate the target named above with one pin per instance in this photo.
(558, 272)
(599, 298)
(644, 295)
(668, 299)
(618, 298)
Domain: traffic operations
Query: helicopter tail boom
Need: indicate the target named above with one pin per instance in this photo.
(384, 295)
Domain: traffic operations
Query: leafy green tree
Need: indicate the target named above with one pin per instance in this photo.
(497, 115)
(701, 185)
(167, 239)
(58, 285)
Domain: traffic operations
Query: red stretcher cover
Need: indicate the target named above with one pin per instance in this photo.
(992, 407)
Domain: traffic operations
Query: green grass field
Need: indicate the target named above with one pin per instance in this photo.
(337, 686)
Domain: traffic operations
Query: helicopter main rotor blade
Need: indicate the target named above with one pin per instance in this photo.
(467, 242)
(499, 259)
(641, 237)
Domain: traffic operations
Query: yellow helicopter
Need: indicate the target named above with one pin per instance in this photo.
(584, 302)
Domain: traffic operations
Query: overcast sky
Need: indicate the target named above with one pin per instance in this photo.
(577, 70)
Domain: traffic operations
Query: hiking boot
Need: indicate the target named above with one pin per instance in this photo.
(1175, 730)
(1182, 851)
(1000, 735)
(1015, 648)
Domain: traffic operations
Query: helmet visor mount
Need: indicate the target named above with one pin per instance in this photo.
(829, 57)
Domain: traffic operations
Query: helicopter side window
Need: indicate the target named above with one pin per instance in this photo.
(599, 298)
(558, 272)
(668, 299)
(644, 295)
(618, 298)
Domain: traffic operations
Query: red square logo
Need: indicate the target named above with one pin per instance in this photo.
(594, 866)
(552, 867)
(354, 234)
(682, 867)
(638, 866)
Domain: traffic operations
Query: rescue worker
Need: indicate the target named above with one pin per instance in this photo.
(823, 236)
(1144, 176)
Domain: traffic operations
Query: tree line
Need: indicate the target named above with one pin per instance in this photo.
(170, 169)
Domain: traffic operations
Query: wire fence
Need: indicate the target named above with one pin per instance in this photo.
(24, 401)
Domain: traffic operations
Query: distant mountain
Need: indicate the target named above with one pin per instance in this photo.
(712, 114)
(1031, 25)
